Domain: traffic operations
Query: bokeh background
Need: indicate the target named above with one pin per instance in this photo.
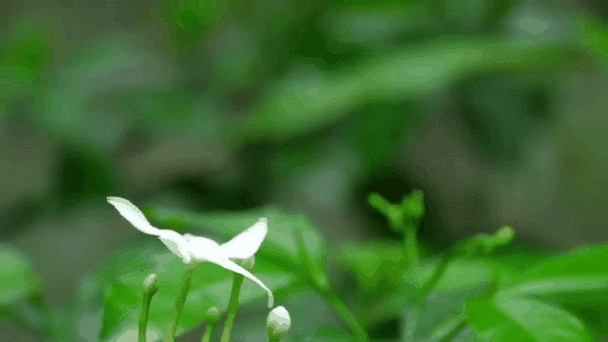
(496, 109)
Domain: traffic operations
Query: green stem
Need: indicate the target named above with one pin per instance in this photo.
(208, 332)
(143, 317)
(272, 338)
(410, 244)
(455, 331)
(233, 306)
(179, 303)
(347, 317)
(444, 262)
(319, 281)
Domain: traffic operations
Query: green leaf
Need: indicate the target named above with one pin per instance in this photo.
(280, 244)
(462, 279)
(525, 320)
(310, 99)
(18, 278)
(21, 292)
(377, 265)
(211, 286)
(577, 277)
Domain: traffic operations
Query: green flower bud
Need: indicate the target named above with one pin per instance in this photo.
(413, 204)
(278, 321)
(151, 284)
(212, 316)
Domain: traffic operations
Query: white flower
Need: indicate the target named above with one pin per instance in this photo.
(192, 248)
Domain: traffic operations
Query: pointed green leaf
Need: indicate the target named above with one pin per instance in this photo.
(523, 320)
(577, 277)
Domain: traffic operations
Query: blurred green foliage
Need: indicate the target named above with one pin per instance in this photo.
(223, 105)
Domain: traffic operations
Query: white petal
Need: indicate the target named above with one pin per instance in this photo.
(248, 242)
(133, 215)
(177, 244)
(231, 266)
(203, 248)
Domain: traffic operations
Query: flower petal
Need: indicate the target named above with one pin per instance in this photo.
(248, 242)
(231, 266)
(204, 249)
(177, 244)
(133, 215)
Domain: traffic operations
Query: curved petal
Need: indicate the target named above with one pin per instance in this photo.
(248, 242)
(231, 266)
(133, 215)
(202, 248)
(177, 244)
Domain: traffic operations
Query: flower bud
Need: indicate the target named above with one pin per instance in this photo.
(212, 316)
(151, 284)
(278, 321)
(413, 204)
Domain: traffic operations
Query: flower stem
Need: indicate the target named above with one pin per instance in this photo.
(455, 331)
(233, 306)
(347, 317)
(150, 287)
(444, 262)
(410, 245)
(143, 318)
(210, 319)
(208, 332)
(272, 338)
(179, 303)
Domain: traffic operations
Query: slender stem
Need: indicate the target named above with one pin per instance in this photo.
(273, 338)
(444, 262)
(410, 244)
(233, 306)
(412, 316)
(455, 331)
(319, 281)
(179, 303)
(347, 317)
(208, 332)
(143, 317)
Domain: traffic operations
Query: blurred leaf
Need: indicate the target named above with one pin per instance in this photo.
(377, 265)
(437, 314)
(594, 35)
(512, 319)
(14, 81)
(496, 11)
(376, 26)
(463, 279)
(211, 286)
(329, 334)
(307, 100)
(577, 277)
(280, 243)
(188, 21)
(29, 48)
(21, 291)
(17, 274)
